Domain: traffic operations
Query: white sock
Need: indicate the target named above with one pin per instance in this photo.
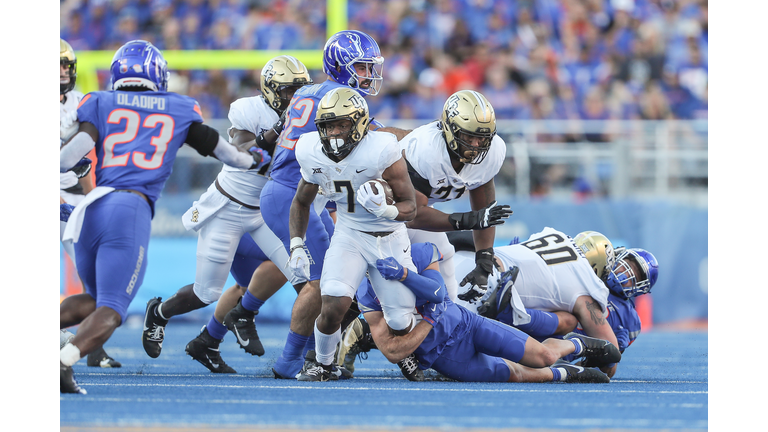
(325, 345)
(563, 373)
(70, 354)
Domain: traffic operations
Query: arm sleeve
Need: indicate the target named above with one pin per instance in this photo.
(429, 285)
(202, 138)
(74, 150)
(230, 155)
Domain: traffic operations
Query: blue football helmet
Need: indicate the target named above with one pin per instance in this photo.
(622, 279)
(139, 64)
(346, 48)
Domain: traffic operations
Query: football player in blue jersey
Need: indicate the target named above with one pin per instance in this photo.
(351, 59)
(227, 210)
(464, 346)
(625, 272)
(137, 128)
(635, 273)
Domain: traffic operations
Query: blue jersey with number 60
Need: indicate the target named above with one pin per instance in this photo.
(139, 136)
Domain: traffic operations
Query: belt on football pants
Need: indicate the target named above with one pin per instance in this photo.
(377, 233)
(133, 192)
(233, 199)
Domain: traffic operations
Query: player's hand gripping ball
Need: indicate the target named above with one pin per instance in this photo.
(380, 185)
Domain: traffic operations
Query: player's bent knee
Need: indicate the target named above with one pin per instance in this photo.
(399, 321)
(206, 295)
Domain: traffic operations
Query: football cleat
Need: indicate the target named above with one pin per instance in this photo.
(314, 371)
(341, 372)
(409, 366)
(154, 329)
(205, 349)
(355, 341)
(240, 322)
(100, 358)
(578, 374)
(67, 381)
(490, 306)
(596, 352)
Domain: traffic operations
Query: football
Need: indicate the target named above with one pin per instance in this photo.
(379, 184)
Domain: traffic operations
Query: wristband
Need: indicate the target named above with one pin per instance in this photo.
(390, 212)
(296, 242)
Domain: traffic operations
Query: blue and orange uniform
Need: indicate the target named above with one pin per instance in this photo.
(139, 136)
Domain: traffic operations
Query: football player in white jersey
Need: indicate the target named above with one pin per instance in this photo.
(342, 157)
(229, 209)
(555, 274)
(75, 183)
(459, 154)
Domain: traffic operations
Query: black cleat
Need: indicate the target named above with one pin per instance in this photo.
(597, 352)
(240, 322)
(409, 366)
(100, 358)
(341, 372)
(205, 349)
(67, 381)
(578, 374)
(355, 341)
(314, 371)
(490, 307)
(154, 329)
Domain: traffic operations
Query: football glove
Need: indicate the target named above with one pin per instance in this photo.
(374, 202)
(390, 269)
(299, 260)
(280, 125)
(477, 279)
(480, 219)
(65, 210)
(260, 157)
(82, 167)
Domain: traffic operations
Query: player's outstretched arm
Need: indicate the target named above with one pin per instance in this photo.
(429, 285)
(395, 348)
(78, 146)
(402, 189)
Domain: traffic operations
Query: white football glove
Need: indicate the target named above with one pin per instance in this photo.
(299, 261)
(375, 203)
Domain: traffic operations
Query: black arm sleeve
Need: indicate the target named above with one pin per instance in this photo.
(462, 240)
(202, 138)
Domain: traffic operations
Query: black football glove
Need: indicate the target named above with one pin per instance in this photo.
(82, 167)
(278, 127)
(480, 219)
(478, 278)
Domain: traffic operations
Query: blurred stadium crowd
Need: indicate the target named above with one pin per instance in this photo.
(533, 59)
